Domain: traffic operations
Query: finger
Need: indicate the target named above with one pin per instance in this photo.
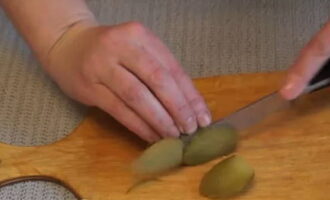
(309, 62)
(184, 82)
(196, 101)
(160, 81)
(138, 97)
(111, 104)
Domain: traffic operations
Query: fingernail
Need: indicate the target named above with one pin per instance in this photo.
(204, 119)
(289, 86)
(190, 125)
(293, 87)
(173, 131)
(181, 129)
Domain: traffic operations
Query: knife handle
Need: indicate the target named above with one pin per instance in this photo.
(320, 80)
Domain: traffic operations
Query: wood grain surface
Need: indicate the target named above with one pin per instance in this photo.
(289, 150)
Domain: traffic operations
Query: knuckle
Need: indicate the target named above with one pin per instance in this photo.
(109, 37)
(136, 27)
(159, 77)
(116, 110)
(197, 102)
(177, 71)
(133, 93)
(115, 34)
(184, 109)
(105, 35)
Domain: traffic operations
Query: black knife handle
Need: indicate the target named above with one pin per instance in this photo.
(321, 79)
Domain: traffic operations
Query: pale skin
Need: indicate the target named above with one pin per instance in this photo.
(308, 63)
(123, 69)
(126, 70)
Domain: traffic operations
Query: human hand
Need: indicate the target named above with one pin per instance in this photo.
(129, 73)
(312, 57)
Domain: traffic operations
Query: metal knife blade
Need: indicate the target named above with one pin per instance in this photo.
(255, 112)
(260, 109)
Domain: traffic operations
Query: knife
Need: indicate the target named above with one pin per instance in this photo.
(258, 110)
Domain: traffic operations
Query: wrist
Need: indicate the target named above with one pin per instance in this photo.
(65, 33)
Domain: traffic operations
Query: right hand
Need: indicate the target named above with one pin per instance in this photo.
(311, 59)
(129, 73)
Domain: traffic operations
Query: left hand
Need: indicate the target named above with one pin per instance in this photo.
(129, 73)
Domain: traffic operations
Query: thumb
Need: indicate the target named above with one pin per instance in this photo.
(308, 63)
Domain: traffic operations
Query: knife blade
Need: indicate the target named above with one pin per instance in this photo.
(267, 105)
(255, 112)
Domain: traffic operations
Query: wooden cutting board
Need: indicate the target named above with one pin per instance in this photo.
(290, 150)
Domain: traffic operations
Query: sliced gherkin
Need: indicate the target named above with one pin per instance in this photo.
(210, 143)
(160, 157)
(227, 178)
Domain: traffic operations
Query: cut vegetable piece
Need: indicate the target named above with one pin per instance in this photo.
(159, 157)
(228, 178)
(209, 143)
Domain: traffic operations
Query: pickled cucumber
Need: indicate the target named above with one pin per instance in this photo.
(159, 157)
(209, 143)
(229, 177)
